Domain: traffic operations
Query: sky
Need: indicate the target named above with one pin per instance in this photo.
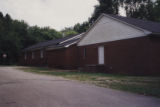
(56, 14)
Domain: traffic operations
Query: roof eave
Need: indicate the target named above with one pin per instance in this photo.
(77, 36)
(156, 33)
(53, 48)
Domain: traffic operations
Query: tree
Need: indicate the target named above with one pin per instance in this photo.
(68, 31)
(80, 28)
(142, 9)
(1, 15)
(105, 6)
(16, 35)
(157, 10)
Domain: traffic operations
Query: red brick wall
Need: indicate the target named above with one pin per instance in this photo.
(137, 56)
(62, 58)
(155, 55)
(91, 55)
(37, 61)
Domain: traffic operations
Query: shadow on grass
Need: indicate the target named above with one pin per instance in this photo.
(138, 84)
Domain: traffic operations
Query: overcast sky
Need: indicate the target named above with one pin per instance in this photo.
(56, 14)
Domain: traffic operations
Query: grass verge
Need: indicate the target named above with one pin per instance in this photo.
(137, 84)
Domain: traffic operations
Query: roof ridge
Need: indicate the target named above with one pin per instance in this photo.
(145, 20)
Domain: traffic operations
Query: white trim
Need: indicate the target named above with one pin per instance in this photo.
(70, 44)
(115, 40)
(78, 36)
(101, 56)
(41, 54)
(53, 48)
(33, 55)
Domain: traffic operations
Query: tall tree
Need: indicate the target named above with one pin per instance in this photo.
(105, 6)
(16, 35)
(81, 27)
(68, 31)
(142, 9)
(157, 10)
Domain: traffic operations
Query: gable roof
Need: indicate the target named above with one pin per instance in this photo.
(148, 27)
(151, 26)
(62, 42)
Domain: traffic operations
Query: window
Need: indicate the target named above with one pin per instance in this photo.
(32, 55)
(25, 56)
(41, 54)
(84, 53)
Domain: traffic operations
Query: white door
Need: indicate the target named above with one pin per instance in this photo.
(101, 55)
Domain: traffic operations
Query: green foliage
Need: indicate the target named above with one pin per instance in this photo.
(16, 35)
(143, 9)
(77, 28)
(80, 28)
(157, 10)
(41, 34)
(69, 31)
(105, 6)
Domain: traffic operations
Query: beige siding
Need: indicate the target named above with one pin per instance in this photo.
(108, 29)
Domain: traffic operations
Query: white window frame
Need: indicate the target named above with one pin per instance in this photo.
(32, 55)
(101, 56)
(42, 54)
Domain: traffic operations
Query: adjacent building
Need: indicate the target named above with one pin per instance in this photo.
(61, 53)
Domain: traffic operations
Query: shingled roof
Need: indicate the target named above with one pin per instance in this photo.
(151, 26)
(62, 42)
(65, 44)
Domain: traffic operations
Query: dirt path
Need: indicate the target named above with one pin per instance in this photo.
(22, 89)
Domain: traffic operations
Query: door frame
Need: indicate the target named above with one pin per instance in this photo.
(101, 55)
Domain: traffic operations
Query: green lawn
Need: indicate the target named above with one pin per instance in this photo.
(137, 84)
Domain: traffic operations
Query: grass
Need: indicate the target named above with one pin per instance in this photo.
(137, 84)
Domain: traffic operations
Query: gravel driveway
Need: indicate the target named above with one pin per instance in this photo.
(22, 89)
